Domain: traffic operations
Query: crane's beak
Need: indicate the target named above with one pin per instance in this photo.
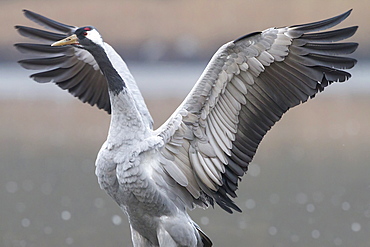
(71, 40)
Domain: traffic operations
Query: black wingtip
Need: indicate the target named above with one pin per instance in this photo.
(345, 14)
(30, 14)
(47, 22)
(323, 24)
(228, 205)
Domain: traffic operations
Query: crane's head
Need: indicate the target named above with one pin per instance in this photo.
(84, 37)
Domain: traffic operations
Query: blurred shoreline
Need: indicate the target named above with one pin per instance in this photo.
(155, 80)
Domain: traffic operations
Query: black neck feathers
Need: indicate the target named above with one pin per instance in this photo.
(115, 81)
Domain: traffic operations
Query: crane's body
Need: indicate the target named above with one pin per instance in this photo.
(142, 196)
(132, 160)
(128, 166)
(198, 156)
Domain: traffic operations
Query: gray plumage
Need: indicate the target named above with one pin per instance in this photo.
(198, 156)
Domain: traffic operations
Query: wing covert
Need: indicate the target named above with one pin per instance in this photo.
(245, 89)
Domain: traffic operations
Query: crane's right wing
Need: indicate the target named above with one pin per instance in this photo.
(71, 68)
(246, 88)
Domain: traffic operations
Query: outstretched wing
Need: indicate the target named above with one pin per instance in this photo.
(245, 89)
(71, 68)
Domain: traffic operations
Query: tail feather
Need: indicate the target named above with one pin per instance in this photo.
(206, 241)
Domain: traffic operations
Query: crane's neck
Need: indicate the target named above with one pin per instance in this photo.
(127, 125)
(116, 83)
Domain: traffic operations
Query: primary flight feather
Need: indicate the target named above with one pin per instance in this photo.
(197, 157)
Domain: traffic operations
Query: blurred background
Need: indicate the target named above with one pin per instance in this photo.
(307, 186)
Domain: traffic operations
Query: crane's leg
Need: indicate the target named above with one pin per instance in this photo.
(140, 241)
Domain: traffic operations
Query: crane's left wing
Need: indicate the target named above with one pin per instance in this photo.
(247, 86)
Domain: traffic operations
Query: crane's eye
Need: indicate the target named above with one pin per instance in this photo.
(86, 29)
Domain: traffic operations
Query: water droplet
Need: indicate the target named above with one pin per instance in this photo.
(274, 198)
(310, 208)
(272, 230)
(25, 222)
(11, 187)
(294, 238)
(250, 204)
(356, 227)
(301, 198)
(46, 189)
(254, 170)
(346, 206)
(69, 241)
(99, 202)
(117, 220)
(315, 234)
(66, 215)
(48, 230)
(20, 207)
(338, 241)
(204, 220)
